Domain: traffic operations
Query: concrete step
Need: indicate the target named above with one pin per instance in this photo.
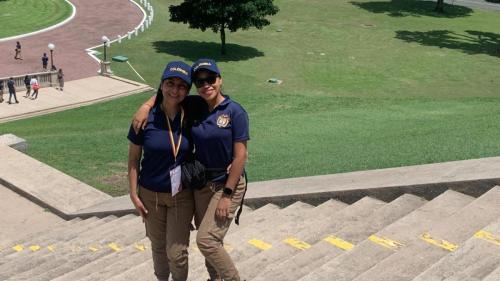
(143, 272)
(102, 264)
(49, 271)
(46, 240)
(478, 257)
(247, 217)
(309, 232)
(437, 241)
(406, 230)
(60, 262)
(304, 262)
(281, 226)
(494, 276)
(251, 218)
(7, 243)
(110, 265)
(261, 221)
(71, 243)
(272, 227)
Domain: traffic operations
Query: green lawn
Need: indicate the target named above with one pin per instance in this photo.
(366, 85)
(24, 16)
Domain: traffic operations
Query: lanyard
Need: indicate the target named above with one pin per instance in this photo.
(175, 148)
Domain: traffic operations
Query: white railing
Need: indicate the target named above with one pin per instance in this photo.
(45, 79)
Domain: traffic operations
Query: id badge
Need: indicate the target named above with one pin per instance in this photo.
(175, 179)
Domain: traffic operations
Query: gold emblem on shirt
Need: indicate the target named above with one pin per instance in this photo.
(223, 120)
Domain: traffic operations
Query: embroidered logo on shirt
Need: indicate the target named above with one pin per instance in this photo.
(223, 120)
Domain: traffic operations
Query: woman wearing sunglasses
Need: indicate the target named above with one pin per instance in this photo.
(155, 188)
(220, 132)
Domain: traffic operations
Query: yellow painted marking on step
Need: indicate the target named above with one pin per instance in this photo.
(228, 248)
(18, 248)
(296, 243)
(35, 248)
(94, 248)
(115, 247)
(339, 243)
(385, 242)
(140, 247)
(488, 236)
(51, 248)
(440, 243)
(259, 244)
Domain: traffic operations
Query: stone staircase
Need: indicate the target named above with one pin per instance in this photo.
(451, 237)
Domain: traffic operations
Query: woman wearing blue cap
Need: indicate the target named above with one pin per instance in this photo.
(155, 187)
(220, 132)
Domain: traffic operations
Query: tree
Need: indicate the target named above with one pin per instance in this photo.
(439, 6)
(222, 15)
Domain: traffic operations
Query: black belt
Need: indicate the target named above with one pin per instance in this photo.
(211, 174)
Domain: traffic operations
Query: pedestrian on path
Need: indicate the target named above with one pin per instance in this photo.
(1, 91)
(35, 86)
(27, 83)
(45, 61)
(11, 84)
(155, 182)
(18, 51)
(60, 79)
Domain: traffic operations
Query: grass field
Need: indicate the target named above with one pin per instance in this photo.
(366, 85)
(24, 16)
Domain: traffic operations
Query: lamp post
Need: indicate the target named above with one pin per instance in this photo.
(105, 42)
(51, 47)
(105, 64)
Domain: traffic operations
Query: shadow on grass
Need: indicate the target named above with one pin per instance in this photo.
(193, 50)
(474, 42)
(493, 1)
(404, 8)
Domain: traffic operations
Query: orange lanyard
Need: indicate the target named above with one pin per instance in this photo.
(175, 148)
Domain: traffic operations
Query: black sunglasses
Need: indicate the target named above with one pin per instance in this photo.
(200, 82)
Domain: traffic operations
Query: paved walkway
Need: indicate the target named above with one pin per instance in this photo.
(94, 18)
(76, 93)
(482, 4)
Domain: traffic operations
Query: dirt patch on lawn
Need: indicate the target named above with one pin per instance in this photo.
(116, 183)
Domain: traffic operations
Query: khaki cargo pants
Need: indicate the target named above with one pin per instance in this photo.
(211, 232)
(168, 227)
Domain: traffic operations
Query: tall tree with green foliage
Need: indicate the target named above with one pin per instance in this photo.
(222, 15)
(439, 6)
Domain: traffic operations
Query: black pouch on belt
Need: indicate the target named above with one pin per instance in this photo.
(193, 174)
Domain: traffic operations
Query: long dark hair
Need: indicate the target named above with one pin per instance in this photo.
(159, 96)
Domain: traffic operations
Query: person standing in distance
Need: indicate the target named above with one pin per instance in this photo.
(155, 188)
(35, 86)
(45, 61)
(18, 51)
(11, 84)
(27, 84)
(60, 79)
(1, 91)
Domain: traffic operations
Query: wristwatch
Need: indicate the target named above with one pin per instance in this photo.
(227, 191)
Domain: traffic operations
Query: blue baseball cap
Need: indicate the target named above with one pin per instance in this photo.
(206, 64)
(177, 69)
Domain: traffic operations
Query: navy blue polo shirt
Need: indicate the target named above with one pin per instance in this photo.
(157, 157)
(215, 133)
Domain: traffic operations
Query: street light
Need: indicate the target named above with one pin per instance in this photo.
(105, 42)
(51, 48)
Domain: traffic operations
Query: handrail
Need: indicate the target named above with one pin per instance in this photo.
(45, 79)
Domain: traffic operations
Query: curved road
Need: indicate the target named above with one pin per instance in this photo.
(94, 18)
